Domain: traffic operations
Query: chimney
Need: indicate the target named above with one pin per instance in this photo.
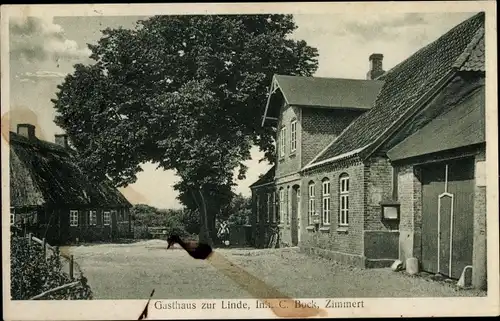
(62, 140)
(375, 66)
(26, 130)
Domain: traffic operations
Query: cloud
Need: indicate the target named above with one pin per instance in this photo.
(385, 26)
(39, 75)
(38, 39)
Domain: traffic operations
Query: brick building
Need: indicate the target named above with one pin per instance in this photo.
(388, 168)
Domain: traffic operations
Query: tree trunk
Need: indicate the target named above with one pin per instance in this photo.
(205, 235)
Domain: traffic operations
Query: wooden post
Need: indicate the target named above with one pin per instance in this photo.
(71, 264)
(44, 248)
(29, 239)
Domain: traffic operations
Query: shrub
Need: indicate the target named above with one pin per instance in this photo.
(31, 274)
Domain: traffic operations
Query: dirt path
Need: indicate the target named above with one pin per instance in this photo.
(131, 271)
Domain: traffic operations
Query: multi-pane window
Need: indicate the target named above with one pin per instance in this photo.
(114, 214)
(344, 200)
(298, 203)
(93, 217)
(106, 218)
(312, 204)
(326, 201)
(73, 218)
(257, 216)
(288, 204)
(293, 136)
(274, 207)
(282, 205)
(269, 206)
(282, 141)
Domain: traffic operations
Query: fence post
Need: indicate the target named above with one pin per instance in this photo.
(71, 264)
(29, 239)
(44, 248)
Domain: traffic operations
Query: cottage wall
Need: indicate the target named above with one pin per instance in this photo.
(479, 254)
(381, 238)
(262, 228)
(343, 244)
(410, 199)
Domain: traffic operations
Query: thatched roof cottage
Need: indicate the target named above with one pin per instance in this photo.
(52, 197)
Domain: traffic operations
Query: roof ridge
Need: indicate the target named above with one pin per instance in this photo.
(414, 86)
(421, 50)
(462, 59)
(328, 78)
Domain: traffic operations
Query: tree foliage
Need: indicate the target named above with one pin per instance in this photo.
(184, 92)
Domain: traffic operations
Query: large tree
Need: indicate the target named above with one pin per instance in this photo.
(184, 92)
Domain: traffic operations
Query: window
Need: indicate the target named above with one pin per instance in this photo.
(274, 207)
(114, 214)
(312, 204)
(257, 214)
(344, 200)
(326, 201)
(282, 141)
(12, 218)
(73, 218)
(269, 206)
(298, 203)
(293, 136)
(282, 205)
(288, 203)
(120, 216)
(106, 218)
(93, 217)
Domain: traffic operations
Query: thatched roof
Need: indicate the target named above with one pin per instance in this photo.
(43, 173)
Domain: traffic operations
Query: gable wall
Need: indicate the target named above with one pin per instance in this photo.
(320, 127)
(456, 90)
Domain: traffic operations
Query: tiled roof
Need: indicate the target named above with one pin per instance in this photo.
(461, 126)
(329, 92)
(403, 86)
(268, 177)
(475, 59)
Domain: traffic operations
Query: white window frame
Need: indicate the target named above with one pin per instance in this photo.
(92, 217)
(269, 207)
(73, 218)
(282, 205)
(288, 204)
(293, 136)
(325, 190)
(282, 141)
(106, 218)
(311, 203)
(257, 212)
(344, 200)
(274, 207)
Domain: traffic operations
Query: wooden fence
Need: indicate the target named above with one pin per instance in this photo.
(70, 259)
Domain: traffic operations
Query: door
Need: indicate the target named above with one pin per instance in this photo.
(294, 219)
(447, 216)
(298, 216)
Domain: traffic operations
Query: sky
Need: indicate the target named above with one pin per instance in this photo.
(44, 49)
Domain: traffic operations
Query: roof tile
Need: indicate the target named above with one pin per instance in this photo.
(404, 85)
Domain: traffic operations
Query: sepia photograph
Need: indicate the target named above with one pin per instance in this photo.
(299, 163)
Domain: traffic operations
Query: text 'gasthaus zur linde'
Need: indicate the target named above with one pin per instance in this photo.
(259, 304)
